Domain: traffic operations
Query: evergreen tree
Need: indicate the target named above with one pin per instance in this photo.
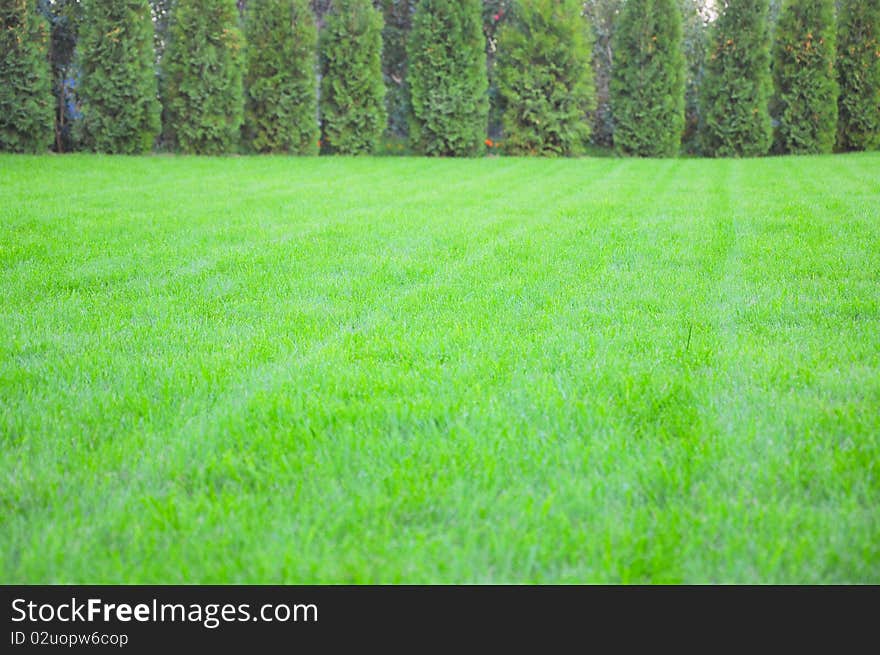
(203, 60)
(120, 109)
(353, 113)
(26, 104)
(545, 78)
(805, 103)
(648, 79)
(448, 79)
(737, 83)
(858, 66)
(281, 110)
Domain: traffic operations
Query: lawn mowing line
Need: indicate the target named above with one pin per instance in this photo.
(730, 298)
(668, 488)
(736, 400)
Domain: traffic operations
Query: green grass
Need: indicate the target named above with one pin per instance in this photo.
(273, 370)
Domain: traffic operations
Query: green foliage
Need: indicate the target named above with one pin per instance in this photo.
(203, 63)
(545, 78)
(858, 67)
(25, 84)
(648, 79)
(448, 79)
(737, 83)
(353, 114)
(120, 109)
(805, 103)
(281, 95)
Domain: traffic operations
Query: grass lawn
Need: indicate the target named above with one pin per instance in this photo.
(281, 370)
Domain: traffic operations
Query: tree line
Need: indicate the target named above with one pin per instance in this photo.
(452, 77)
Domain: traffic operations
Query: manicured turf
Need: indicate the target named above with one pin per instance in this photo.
(274, 370)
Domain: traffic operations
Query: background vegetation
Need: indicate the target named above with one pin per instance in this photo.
(281, 101)
(691, 77)
(353, 112)
(648, 79)
(545, 78)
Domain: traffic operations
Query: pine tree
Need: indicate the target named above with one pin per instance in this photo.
(648, 79)
(858, 66)
(803, 71)
(26, 103)
(203, 94)
(448, 79)
(120, 108)
(545, 78)
(737, 83)
(281, 110)
(353, 113)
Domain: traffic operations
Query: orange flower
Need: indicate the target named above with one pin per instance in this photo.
(489, 142)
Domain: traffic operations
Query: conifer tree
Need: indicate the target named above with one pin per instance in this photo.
(737, 84)
(545, 78)
(281, 94)
(353, 113)
(648, 79)
(118, 90)
(203, 62)
(26, 103)
(448, 80)
(858, 68)
(806, 88)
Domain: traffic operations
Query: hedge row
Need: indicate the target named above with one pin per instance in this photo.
(225, 90)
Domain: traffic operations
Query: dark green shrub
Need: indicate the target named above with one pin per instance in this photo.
(353, 113)
(447, 78)
(545, 78)
(805, 103)
(26, 103)
(281, 88)
(120, 108)
(203, 96)
(858, 68)
(737, 84)
(648, 79)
